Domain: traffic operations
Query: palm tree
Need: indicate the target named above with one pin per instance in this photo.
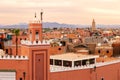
(16, 32)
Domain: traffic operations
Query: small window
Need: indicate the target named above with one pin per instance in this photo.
(99, 51)
(67, 63)
(92, 61)
(36, 41)
(84, 62)
(37, 35)
(51, 61)
(77, 63)
(63, 43)
(6, 51)
(59, 48)
(102, 78)
(107, 51)
(58, 62)
(37, 32)
(20, 78)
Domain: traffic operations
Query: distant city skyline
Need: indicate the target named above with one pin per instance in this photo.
(62, 11)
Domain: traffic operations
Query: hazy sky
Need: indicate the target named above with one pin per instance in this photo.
(62, 11)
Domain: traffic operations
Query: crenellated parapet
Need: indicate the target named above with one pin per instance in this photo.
(27, 42)
(12, 57)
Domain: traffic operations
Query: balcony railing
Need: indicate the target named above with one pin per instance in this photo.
(54, 68)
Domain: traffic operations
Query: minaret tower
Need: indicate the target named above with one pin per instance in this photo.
(93, 25)
(35, 29)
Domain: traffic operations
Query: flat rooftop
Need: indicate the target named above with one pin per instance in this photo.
(72, 56)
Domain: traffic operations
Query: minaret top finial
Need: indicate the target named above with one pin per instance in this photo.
(35, 14)
(41, 14)
(93, 20)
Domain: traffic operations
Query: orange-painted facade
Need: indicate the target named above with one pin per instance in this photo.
(57, 50)
(19, 66)
(109, 72)
(35, 31)
(20, 37)
(35, 67)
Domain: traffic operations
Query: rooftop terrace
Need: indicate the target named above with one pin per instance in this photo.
(72, 56)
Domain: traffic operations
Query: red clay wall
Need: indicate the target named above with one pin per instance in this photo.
(19, 66)
(20, 37)
(33, 27)
(12, 50)
(25, 50)
(111, 72)
(39, 62)
(57, 50)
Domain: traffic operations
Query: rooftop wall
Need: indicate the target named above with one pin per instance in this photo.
(19, 65)
(54, 68)
(27, 42)
(92, 73)
(11, 57)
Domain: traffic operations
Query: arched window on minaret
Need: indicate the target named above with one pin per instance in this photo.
(37, 35)
(30, 36)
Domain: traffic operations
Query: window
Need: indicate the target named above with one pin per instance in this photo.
(102, 78)
(63, 43)
(92, 61)
(99, 51)
(58, 62)
(107, 51)
(37, 35)
(6, 51)
(37, 32)
(1, 46)
(59, 49)
(20, 78)
(77, 63)
(51, 61)
(84, 62)
(37, 41)
(67, 63)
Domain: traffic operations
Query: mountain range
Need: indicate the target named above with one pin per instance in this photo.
(58, 25)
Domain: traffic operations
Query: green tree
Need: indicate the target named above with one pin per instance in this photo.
(16, 32)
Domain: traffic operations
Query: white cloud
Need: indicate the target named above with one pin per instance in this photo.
(59, 10)
(107, 0)
(35, 3)
(103, 11)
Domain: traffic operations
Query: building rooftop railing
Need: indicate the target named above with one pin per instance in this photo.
(54, 68)
(11, 57)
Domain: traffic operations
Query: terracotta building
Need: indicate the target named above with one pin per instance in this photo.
(35, 63)
(32, 54)
(104, 50)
